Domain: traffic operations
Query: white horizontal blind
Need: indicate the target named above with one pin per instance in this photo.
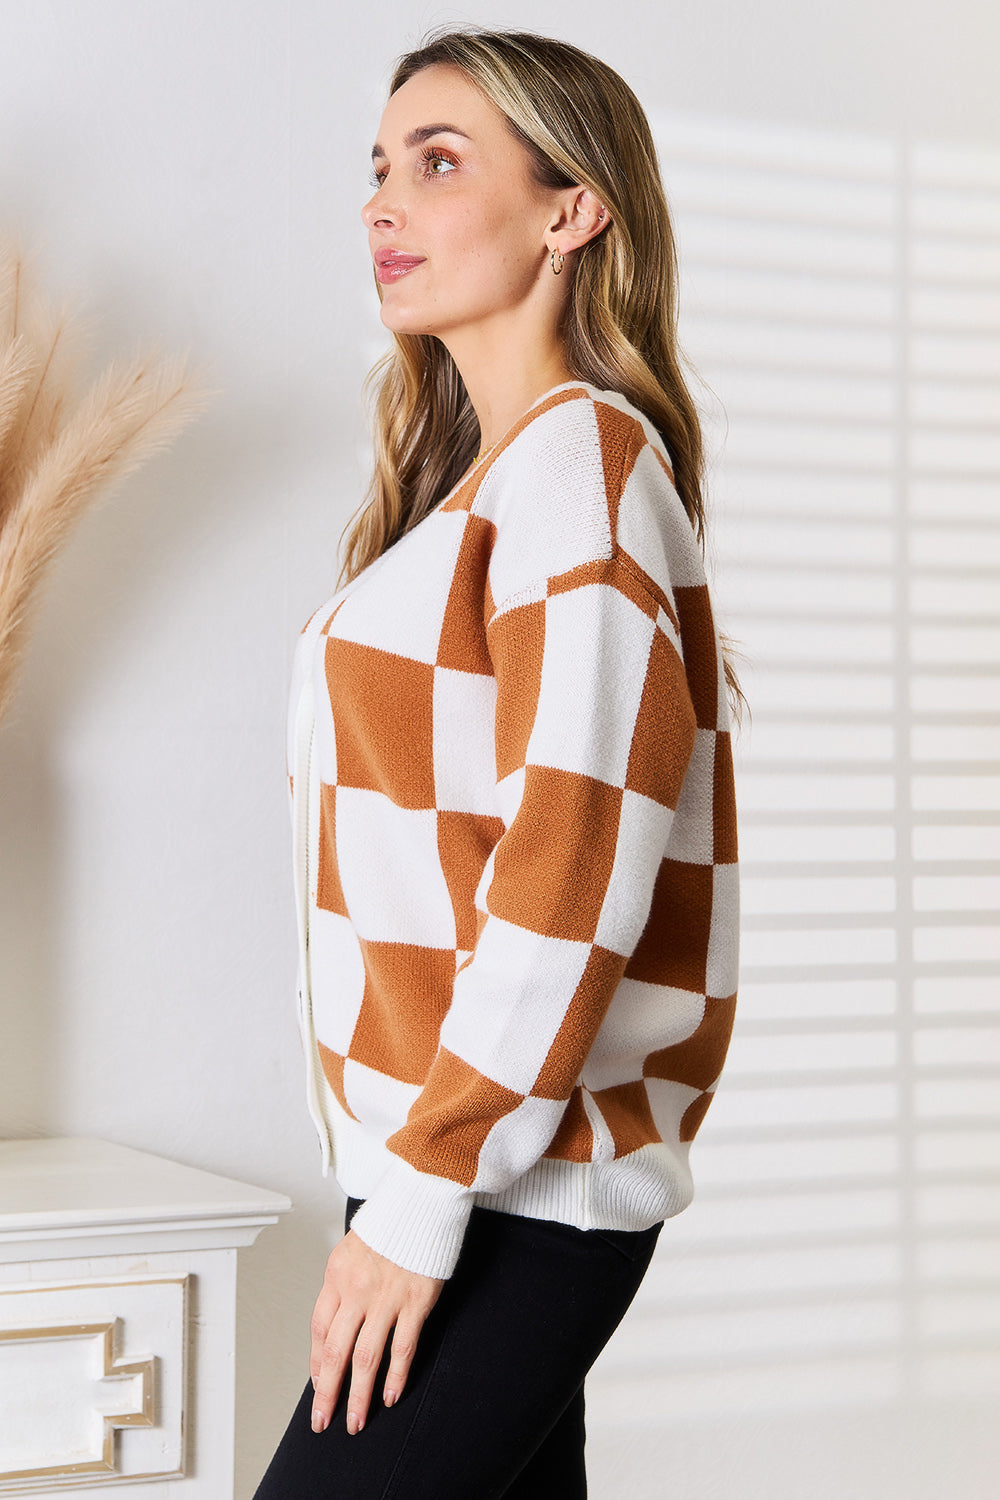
(841, 297)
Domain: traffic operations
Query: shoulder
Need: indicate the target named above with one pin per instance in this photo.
(552, 489)
(579, 432)
(581, 478)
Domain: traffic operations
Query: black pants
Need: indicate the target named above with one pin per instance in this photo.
(494, 1401)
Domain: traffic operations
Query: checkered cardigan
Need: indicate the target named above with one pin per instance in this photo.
(516, 846)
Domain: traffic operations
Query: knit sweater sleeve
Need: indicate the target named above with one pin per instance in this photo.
(594, 731)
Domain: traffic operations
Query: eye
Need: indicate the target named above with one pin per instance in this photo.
(377, 176)
(436, 163)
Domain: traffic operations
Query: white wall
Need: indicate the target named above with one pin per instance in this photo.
(822, 1321)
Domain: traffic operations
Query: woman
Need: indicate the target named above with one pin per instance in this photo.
(513, 798)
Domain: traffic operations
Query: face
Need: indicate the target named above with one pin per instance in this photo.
(457, 226)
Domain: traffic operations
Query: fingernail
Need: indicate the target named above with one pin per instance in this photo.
(354, 1423)
(318, 1421)
(391, 1398)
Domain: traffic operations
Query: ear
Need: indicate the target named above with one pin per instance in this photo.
(580, 217)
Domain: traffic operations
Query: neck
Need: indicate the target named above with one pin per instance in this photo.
(505, 374)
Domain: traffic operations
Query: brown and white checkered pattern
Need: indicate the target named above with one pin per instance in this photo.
(523, 918)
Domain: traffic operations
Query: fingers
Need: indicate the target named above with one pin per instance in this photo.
(404, 1346)
(364, 1298)
(359, 1341)
(367, 1337)
(323, 1313)
(364, 1367)
(334, 1357)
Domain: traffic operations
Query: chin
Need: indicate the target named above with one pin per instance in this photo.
(399, 320)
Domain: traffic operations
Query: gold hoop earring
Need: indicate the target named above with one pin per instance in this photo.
(557, 269)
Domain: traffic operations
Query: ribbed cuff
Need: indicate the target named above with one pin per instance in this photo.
(415, 1220)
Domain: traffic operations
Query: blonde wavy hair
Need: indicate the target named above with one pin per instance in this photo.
(579, 123)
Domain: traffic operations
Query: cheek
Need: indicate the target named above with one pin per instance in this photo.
(504, 244)
(481, 235)
(495, 226)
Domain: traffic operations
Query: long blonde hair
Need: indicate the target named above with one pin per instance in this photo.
(580, 123)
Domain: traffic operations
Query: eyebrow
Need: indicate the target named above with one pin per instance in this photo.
(421, 134)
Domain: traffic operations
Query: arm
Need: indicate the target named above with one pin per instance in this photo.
(594, 731)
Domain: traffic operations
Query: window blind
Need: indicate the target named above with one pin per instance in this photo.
(841, 299)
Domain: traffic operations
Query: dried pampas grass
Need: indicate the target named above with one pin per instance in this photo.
(59, 451)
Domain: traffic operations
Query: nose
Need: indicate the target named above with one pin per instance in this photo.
(381, 213)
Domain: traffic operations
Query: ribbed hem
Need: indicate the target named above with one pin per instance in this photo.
(415, 1220)
(418, 1221)
(633, 1192)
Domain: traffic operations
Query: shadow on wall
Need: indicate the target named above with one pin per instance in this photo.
(28, 823)
(842, 1258)
(152, 540)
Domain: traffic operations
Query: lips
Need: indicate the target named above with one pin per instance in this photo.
(391, 265)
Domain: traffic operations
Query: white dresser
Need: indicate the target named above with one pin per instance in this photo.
(118, 1320)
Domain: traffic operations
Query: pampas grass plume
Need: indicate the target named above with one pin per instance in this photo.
(60, 452)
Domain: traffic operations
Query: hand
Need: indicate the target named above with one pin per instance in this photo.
(364, 1298)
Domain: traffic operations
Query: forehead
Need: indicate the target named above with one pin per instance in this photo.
(442, 95)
